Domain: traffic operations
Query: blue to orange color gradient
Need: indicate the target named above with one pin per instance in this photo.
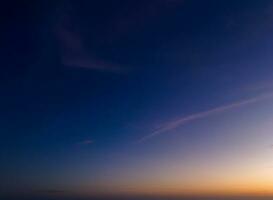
(156, 98)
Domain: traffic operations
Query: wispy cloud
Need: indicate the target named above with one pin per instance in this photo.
(200, 115)
(75, 54)
(86, 142)
(73, 49)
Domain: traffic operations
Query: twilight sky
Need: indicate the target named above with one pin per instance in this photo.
(136, 97)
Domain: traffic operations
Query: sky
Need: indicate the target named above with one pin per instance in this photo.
(154, 97)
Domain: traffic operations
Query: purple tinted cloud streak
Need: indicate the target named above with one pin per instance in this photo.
(74, 53)
(86, 142)
(190, 118)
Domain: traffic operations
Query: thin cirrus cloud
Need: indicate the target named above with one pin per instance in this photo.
(73, 51)
(75, 54)
(171, 125)
(86, 142)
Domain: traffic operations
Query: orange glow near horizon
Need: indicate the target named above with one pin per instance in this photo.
(236, 187)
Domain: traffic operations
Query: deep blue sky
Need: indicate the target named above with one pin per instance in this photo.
(83, 82)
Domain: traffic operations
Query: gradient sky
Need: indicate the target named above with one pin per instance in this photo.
(136, 97)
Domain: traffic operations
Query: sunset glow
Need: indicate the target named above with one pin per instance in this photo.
(136, 100)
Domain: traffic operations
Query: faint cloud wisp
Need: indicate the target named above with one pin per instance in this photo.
(86, 142)
(190, 118)
(74, 54)
(73, 50)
